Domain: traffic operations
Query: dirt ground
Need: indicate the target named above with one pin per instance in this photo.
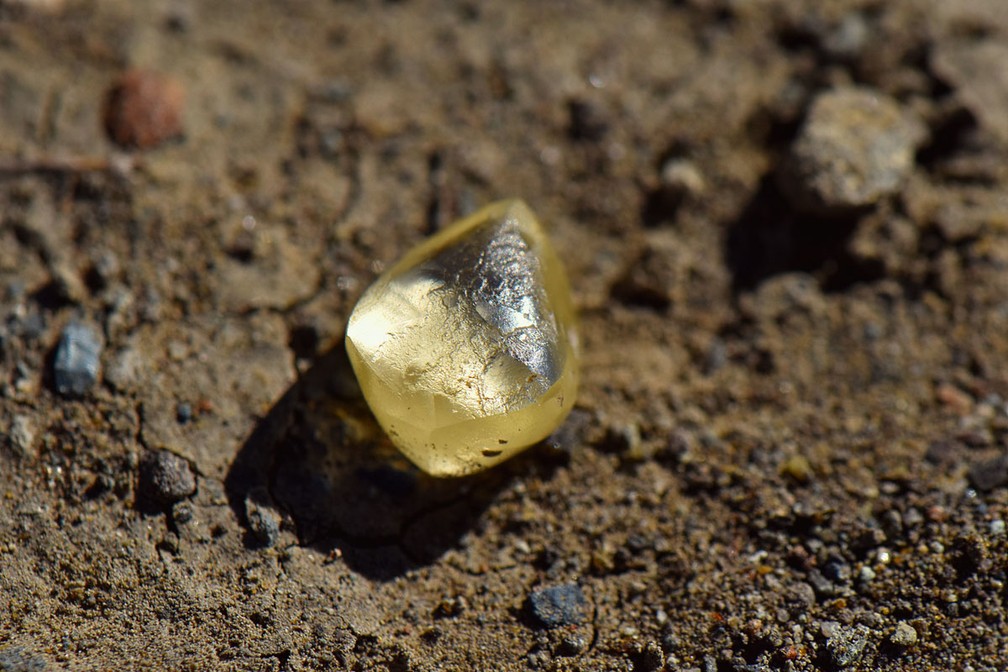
(786, 227)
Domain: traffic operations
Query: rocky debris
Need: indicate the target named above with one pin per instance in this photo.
(844, 644)
(855, 148)
(166, 478)
(143, 109)
(560, 605)
(904, 635)
(76, 366)
(263, 520)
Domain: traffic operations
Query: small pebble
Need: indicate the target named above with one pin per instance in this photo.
(182, 513)
(144, 109)
(856, 147)
(797, 468)
(997, 527)
(837, 571)
(845, 644)
(166, 478)
(22, 434)
(559, 605)
(823, 587)
(571, 645)
(989, 474)
(75, 369)
(682, 177)
(183, 413)
(263, 520)
(904, 636)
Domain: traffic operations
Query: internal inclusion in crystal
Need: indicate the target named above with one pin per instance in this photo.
(466, 349)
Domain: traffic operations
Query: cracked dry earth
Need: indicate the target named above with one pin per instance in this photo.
(789, 448)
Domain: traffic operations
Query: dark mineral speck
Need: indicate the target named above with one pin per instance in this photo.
(559, 605)
(183, 413)
(75, 368)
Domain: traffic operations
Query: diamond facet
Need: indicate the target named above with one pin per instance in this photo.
(466, 349)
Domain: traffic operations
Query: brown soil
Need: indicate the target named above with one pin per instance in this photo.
(788, 451)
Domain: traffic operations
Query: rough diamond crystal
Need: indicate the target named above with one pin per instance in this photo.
(466, 349)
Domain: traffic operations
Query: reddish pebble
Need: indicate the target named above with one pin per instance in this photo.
(144, 109)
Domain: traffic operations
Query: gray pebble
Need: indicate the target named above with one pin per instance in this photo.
(855, 147)
(166, 478)
(75, 369)
(559, 605)
(904, 636)
(823, 587)
(845, 644)
(263, 520)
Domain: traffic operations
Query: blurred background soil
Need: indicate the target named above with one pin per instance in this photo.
(786, 225)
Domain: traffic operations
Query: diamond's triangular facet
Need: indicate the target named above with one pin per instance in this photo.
(466, 349)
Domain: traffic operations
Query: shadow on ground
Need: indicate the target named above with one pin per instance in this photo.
(770, 238)
(320, 459)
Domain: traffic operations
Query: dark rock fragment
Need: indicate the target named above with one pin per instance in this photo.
(166, 478)
(989, 474)
(559, 605)
(263, 520)
(571, 645)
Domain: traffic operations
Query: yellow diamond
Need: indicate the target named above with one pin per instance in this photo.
(466, 349)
